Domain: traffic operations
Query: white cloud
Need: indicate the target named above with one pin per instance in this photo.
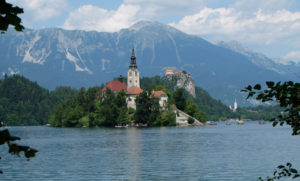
(293, 56)
(89, 17)
(228, 23)
(153, 9)
(40, 10)
(265, 5)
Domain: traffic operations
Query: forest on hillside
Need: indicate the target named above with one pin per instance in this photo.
(23, 102)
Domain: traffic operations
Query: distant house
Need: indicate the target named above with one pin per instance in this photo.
(169, 72)
(172, 72)
(163, 98)
(131, 94)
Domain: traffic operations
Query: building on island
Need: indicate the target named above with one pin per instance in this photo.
(132, 88)
(133, 74)
(115, 85)
(172, 72)
(133, 82)
(169, 72)
(163, 99)
(131, 94)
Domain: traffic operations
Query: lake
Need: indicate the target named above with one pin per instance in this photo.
(212, 153)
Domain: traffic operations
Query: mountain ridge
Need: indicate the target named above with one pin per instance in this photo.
(55, 57)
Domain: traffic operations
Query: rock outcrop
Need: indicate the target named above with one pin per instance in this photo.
(182, 80)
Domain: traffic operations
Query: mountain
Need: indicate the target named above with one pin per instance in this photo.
(54, 57)
(287, 68)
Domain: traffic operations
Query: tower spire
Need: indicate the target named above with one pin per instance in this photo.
(133, 60)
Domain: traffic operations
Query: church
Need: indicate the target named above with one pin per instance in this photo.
(132, 88)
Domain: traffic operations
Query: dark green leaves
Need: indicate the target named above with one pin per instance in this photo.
(270, 84)
(287, 94)
(9, 16)
(274, 124)
(14, 148)
(257, 87)
(283, 171)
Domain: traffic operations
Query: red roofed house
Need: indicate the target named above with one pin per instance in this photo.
(169, 72)
(163, 98)
(115, 86)
(178, 72)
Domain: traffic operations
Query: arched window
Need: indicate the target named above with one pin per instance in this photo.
(130, 74)
(135, 73)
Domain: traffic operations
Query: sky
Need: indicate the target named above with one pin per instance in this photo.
(271, 27)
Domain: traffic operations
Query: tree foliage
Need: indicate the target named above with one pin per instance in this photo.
(9, 16)
(147, 109)
(179, 99)
(23, 102)
(192, 109)
(92, 108)
(287, 94)
(13, 148)
(283, 171)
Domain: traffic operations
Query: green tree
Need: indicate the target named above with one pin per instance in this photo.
(191, 120)
(192, 109)
(13, 148)
(179, 99)
(9, 16)
(112, 109)
(147, 109)
(287, 94)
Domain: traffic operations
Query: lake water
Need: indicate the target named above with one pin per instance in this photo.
(222, 152)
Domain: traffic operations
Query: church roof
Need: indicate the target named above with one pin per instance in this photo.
(157, 94)
(134, 90)
(115, 85)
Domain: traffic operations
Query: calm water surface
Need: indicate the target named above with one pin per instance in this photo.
(236, 152)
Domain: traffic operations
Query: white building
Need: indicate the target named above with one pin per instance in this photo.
(133, 74)
(131, 94)
(163, 99)
(133, 86)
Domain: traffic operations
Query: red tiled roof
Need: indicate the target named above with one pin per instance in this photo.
(169, 70)
(157, 94)
(134, 90)
(115, 85)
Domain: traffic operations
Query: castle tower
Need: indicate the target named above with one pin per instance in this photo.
(133, 74)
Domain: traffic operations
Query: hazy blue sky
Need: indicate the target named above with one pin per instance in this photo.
(271, 27)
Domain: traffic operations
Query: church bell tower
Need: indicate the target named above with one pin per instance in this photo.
(133, 74)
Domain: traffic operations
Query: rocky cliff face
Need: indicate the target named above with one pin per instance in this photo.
(182, 80)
